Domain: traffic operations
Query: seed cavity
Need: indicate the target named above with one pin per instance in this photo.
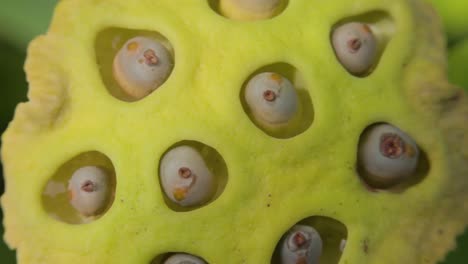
(302, 244)
(191, 175)
(186, 190)
(355, 47)
(178, 258)
(276, 99)
(249, 10)
(89, 190)
(387, 156)
(359, 42)
(81, 190)
(272, 102)
(133, 63)
(316, 239)
(140, 79)
(181, 258)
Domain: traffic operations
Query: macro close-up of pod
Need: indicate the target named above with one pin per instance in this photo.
(239, 132)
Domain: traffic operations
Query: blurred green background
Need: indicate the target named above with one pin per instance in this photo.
(21, 20)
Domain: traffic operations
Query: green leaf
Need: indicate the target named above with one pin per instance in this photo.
(22, 20)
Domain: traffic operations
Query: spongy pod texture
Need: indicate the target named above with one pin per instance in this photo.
(267, 178)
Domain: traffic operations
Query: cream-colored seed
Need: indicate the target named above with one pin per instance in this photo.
(251, 9)
(301, 244)
(388, 155)
(185, 177)
(271, 98)
(141, 66)
(181, 258)
(343, 244)
(355, 47)
(89, 190)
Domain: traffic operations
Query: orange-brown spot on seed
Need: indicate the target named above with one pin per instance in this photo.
(132, 46)
(391, 145)
(185, 172)
(88, 186)
(269, 95)
(410, 151)
(150, 57)
(277, 78)
(180, 193)
(366, 28)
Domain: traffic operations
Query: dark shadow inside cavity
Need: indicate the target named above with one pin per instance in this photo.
(215, 6)
(160, 259)
(422, 170)
(55, 197)
(385, 25)
(334, 236)
(107, 44)
(303, 120)
(216, 165)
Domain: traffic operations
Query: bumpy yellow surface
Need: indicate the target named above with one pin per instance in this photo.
(273, 183)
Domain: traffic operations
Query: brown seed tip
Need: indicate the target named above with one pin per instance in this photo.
(391, 145)
(88, 186)
(269, 95)
(185, 172)
(354, 45)
(299, 239)
(150, 57)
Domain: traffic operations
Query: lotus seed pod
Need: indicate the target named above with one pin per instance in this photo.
(271, 98)
(141, 66)
(387, 155)
(302, 244)
(184, 259)
(251, 9)
(242, 203)
(355, 47)
(89, 190)
(185, 178)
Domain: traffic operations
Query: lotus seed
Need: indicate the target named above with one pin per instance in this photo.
(185, 177)
(88, 190)
(387, 155)
(343, 244)
(271, 98)
(141, 66)
(302, 244)
(355, 47)
(181, 258)
(251, 9)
